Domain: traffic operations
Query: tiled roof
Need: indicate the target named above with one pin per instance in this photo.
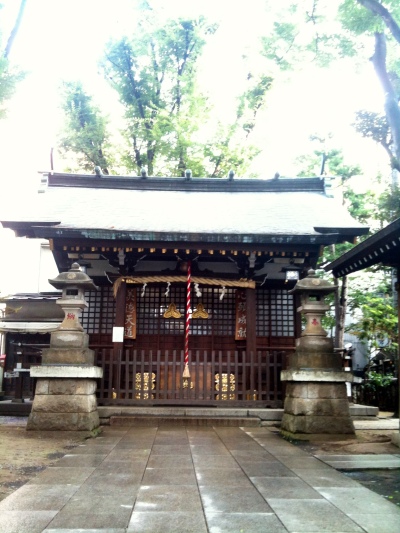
(243, 210)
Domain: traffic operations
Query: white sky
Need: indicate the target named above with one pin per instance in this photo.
(62, 39)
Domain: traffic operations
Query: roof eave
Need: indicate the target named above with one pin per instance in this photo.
(369, 252)
(156, 236)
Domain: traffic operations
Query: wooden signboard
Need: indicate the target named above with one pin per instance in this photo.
(130, 314)
(241, 315)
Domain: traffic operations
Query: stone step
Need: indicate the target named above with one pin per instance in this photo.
(225, 421)
(9, 408)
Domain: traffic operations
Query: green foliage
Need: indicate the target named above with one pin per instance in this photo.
(85, 129)
(305, 33)
(372, 125)
(10, 76)
(154, 74)
(281, 44)
(375, 381)
(389, 205)
(334, 164)
(361, 206)
(355, 18)
(378, 324)
(9, 79)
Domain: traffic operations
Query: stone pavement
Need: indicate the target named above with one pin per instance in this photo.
(177, 479)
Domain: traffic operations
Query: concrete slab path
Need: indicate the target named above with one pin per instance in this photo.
(177, 479)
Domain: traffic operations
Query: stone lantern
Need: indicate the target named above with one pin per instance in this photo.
(312, 291)
(66, 381)
(316, 397)
(73, 284)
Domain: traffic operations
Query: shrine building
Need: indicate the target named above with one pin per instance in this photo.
(193, 275)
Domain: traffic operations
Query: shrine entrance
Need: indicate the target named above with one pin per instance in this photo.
(148, 366)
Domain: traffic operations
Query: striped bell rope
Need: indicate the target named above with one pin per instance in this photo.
(186, 373)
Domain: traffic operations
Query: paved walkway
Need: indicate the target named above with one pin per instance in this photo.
(175, 479)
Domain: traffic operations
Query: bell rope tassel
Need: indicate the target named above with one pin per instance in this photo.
(186, 372)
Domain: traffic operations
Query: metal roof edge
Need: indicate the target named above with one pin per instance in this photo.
(184, 237)
(281, 184)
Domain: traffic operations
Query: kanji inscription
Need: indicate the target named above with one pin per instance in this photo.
(130, 314)
(241, 315)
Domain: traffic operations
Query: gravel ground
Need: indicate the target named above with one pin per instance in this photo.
(23, 453)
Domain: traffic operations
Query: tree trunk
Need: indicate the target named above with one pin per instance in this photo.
(15, 29)
(392, 109)
(340, 312)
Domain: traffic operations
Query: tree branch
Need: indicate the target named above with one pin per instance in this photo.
(15, 29)
(380, 10)
(392, 109)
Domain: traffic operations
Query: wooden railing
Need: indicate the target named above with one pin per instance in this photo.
(222, 378)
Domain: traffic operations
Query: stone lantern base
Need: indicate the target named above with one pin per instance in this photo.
(65, 398)
(316, 408)
(316, 397)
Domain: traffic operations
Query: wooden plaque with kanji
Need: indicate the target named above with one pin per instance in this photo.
(241, 317)
(130, 314)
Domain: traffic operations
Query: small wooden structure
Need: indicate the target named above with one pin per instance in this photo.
(245, 243)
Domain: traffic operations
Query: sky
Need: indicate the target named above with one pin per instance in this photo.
(63, 40)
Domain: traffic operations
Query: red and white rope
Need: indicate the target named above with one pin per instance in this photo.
(186, 360)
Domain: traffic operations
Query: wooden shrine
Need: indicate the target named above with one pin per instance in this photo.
(194, 275)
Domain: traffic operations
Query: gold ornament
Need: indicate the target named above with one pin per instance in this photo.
(172, 312)
(200, 312)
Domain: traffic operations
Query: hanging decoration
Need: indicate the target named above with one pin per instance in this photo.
(143, 289)
(186, 372)
(222, 292)
(167, 290)
(211, 282)
(198, 291)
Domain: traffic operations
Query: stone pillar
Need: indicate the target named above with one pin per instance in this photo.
(65, 396)
(316, 398)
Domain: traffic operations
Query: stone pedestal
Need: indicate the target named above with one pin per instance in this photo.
(316, 396)
(65, 398)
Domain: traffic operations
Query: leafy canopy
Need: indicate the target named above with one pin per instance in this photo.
(167, 118)
(85, 131)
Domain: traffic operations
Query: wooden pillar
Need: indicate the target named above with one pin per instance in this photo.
(297, 317)
(118, 346)
(398, 345)
(120, 306)
(251, 315)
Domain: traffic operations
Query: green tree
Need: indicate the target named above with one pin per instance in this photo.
(380, 20)
(154, 74)
(378, 325)
(323, 32)
(375, 126)
(85, 131)
(167, 119)
(9, 75)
